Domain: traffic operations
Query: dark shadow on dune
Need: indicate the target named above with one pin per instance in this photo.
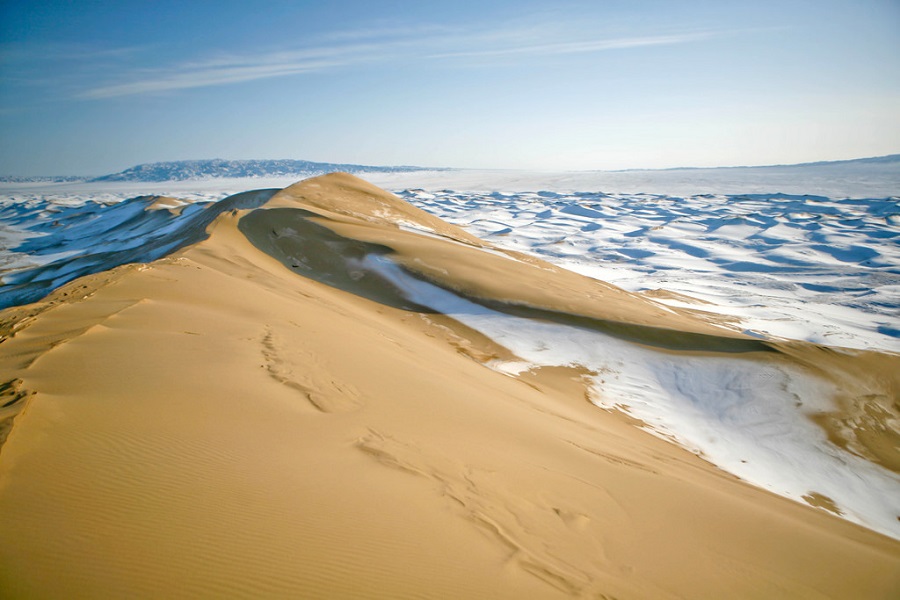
(655, 337)
(318, 253)
(108, 237)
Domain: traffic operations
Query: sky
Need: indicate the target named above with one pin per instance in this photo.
(93, 87)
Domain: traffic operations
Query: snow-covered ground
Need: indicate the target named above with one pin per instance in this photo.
(799, 267)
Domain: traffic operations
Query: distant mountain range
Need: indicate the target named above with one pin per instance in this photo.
(890, 159)
(217, 168)
(863, 163)
(185, 170)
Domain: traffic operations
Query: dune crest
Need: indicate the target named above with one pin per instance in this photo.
(364, 212)
(314, 402)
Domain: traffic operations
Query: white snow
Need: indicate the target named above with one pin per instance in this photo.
(800, 267)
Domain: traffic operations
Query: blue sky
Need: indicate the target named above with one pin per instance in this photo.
(91, 87)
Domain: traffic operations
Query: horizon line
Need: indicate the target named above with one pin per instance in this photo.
(451, 168)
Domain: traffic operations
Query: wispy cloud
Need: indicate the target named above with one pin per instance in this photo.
(581, 47)
(194, 78)
(35, 72)
(230, 68)
(385, 46)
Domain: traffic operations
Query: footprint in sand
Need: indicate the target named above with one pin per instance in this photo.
(300, 369)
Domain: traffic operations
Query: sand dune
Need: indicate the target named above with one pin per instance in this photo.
(330, 397)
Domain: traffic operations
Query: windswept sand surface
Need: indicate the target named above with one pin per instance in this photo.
(338, 395)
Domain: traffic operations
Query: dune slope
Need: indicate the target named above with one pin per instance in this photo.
(282, 410)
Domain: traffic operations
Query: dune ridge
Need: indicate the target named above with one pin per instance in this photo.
(138, 230)
(248, 417)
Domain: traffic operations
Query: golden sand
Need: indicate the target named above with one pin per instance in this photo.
(214, 424)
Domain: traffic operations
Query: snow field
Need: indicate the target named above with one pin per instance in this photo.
(799, 267)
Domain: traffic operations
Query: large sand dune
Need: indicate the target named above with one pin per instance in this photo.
(316, 402)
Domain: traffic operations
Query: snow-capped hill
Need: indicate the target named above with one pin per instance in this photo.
(217, 168)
